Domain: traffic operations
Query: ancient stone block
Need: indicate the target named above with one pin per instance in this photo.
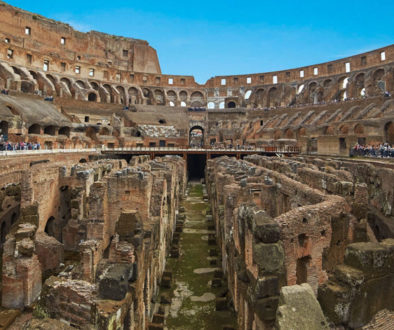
(299, 309)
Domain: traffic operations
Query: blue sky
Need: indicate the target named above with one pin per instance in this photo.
(209, 38)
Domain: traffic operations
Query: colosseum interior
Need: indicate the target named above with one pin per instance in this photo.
(130, 199)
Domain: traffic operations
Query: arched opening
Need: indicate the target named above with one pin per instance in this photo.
(344, 130)
(389, 132)
(171, 96)
(359, 129)
(94, 85)
(183, 96)
(289, 134)
(273, 97)
(50, 227)
(260, 100)
(196, 137)
(133, 95)
(247, 94)
(148, 95)
(197, 99)
(92, 97)
(122, 95)
(34, 129)
(231, 105)
(109, 90)
(81, 84)
(104, 131)
(329, 130)
(277, 134)
(211, 105)
(64, 131)
(159, 97)
(4, 129)
(50, 130)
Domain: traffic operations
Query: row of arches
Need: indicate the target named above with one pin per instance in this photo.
(49, 130)
(371, 82)
(343, 130)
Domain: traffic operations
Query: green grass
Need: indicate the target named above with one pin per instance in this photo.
(194, 253)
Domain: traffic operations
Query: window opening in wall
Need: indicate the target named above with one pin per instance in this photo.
(302, 74)
(315, 71)
(347, 67)
(92, 97)
(157, 80)
(29, 58)
(131, 78)
(247, 94)
(86, 119)
(172, 104)
(125, 53)
(275, 79)
(78, 69)
(162, 143)
(27, 30)
(236, 80)
(170, 81)
(342, 144)
(221, 105)
(10, 54)
(249, 80)
(62, 41)
(288, 74)
(7, 40)
(300, 89)
(117, 77)
(211, 105)
(46, 65)
(91, 72)
(383, 56)
(223, 82)
(363, 60)
(329, 68)
(302, 269)
(183, 81)
(231, 105)
(63, 66)
(262, 78)
(261, 122)
(78, 58)
(183, 104)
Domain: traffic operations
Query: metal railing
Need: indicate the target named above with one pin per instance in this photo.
(45, 151)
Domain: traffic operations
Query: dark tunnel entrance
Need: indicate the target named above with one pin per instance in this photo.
(196, 166)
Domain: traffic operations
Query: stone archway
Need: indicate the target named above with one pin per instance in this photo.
(196, 137)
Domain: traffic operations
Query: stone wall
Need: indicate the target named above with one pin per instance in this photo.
(100, 256)
(285, 222)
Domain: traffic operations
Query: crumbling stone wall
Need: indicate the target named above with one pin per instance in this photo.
(285, 222)
(102, 267)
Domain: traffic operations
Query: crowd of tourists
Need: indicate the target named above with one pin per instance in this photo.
(10, 146)
(383, 150)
